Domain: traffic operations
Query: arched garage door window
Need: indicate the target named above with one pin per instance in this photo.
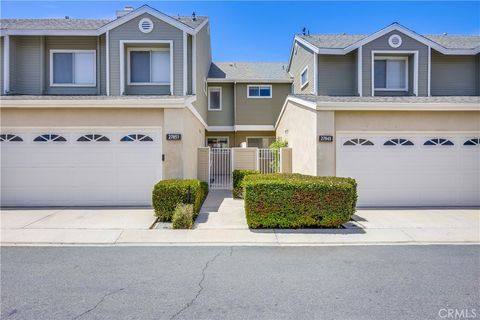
(136, 137)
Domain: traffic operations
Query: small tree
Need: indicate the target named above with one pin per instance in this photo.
(275, 147)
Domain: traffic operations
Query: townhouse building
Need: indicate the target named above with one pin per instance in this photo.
(94, 112)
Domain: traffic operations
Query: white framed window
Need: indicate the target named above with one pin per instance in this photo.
(73, 68)
(391, 73)
(304, 77)
(149, 66)
(217, 142)
(259, 91)
(260, 142)
(214, 98)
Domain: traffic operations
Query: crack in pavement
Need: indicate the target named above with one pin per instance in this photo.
(108, 294)
(98, 303)
(200, 288)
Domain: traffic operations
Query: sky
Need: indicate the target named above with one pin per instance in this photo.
(263, 31)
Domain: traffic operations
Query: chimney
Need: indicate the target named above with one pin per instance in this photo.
(125, 11)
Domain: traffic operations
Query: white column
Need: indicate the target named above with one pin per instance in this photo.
(429, 70)
(315, 74)
(185, 63)
(194, 64)
(6, 64)
(107, 62)
(359, 71)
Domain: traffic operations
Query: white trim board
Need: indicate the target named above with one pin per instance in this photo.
(254, 128)
(122, 60)
(220, 128)
(259, 81)
(72, 51)
(378, 106)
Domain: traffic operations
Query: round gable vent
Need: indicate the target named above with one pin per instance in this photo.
(395, 41)
(145, 25)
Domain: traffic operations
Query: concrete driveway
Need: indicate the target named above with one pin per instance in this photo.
(71, 225)
(222, 221)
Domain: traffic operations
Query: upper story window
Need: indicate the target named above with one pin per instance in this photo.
(391, 73)
(214, 98)
(149, 66)
(256, 91)
(73, 68)
(304, 77)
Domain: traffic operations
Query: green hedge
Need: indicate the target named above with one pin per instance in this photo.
(298, 201)
(167, 194)
(238, 176)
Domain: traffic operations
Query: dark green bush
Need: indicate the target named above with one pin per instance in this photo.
(167, 194)
(183, 216)
(238, 176)
(298, 201)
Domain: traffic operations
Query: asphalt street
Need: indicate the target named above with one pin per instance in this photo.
(333, 282)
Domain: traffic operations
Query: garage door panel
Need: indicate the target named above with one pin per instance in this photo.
(413, 175)
(80, 173)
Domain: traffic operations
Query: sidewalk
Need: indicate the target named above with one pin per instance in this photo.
(222, 222)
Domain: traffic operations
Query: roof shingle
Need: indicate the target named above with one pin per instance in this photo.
(258, 71)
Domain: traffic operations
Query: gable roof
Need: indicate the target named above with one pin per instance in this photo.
(93, 27)
(343, 44)
(248, 71)
(341, 41)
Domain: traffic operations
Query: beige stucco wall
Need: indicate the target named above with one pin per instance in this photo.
(301, 127)
(298, 126)
(407, 121)
(180, 156)
(78, 117)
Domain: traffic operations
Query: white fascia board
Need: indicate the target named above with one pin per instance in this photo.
(220, 128)
(179, 102)
(396, 106)
(254, 128)
(142, 10)
(215, 80)
(189, 103)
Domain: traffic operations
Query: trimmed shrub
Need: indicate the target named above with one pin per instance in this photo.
(298, 201)
(167, 194)
(238, 176)
(183, 216)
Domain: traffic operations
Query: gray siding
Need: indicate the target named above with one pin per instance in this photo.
(454, 75)
(161, 31)
(225, 117)
(407, 44)
(300, 59)
(25, 65)
(73, 43)
(204, 59)
(251, 111)
(337, 75)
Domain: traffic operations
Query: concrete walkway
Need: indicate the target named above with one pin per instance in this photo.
(222, 222)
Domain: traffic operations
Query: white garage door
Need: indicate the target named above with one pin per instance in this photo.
(80, 168)
(411, 169)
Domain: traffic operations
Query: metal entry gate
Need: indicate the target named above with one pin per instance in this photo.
(221, 168)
